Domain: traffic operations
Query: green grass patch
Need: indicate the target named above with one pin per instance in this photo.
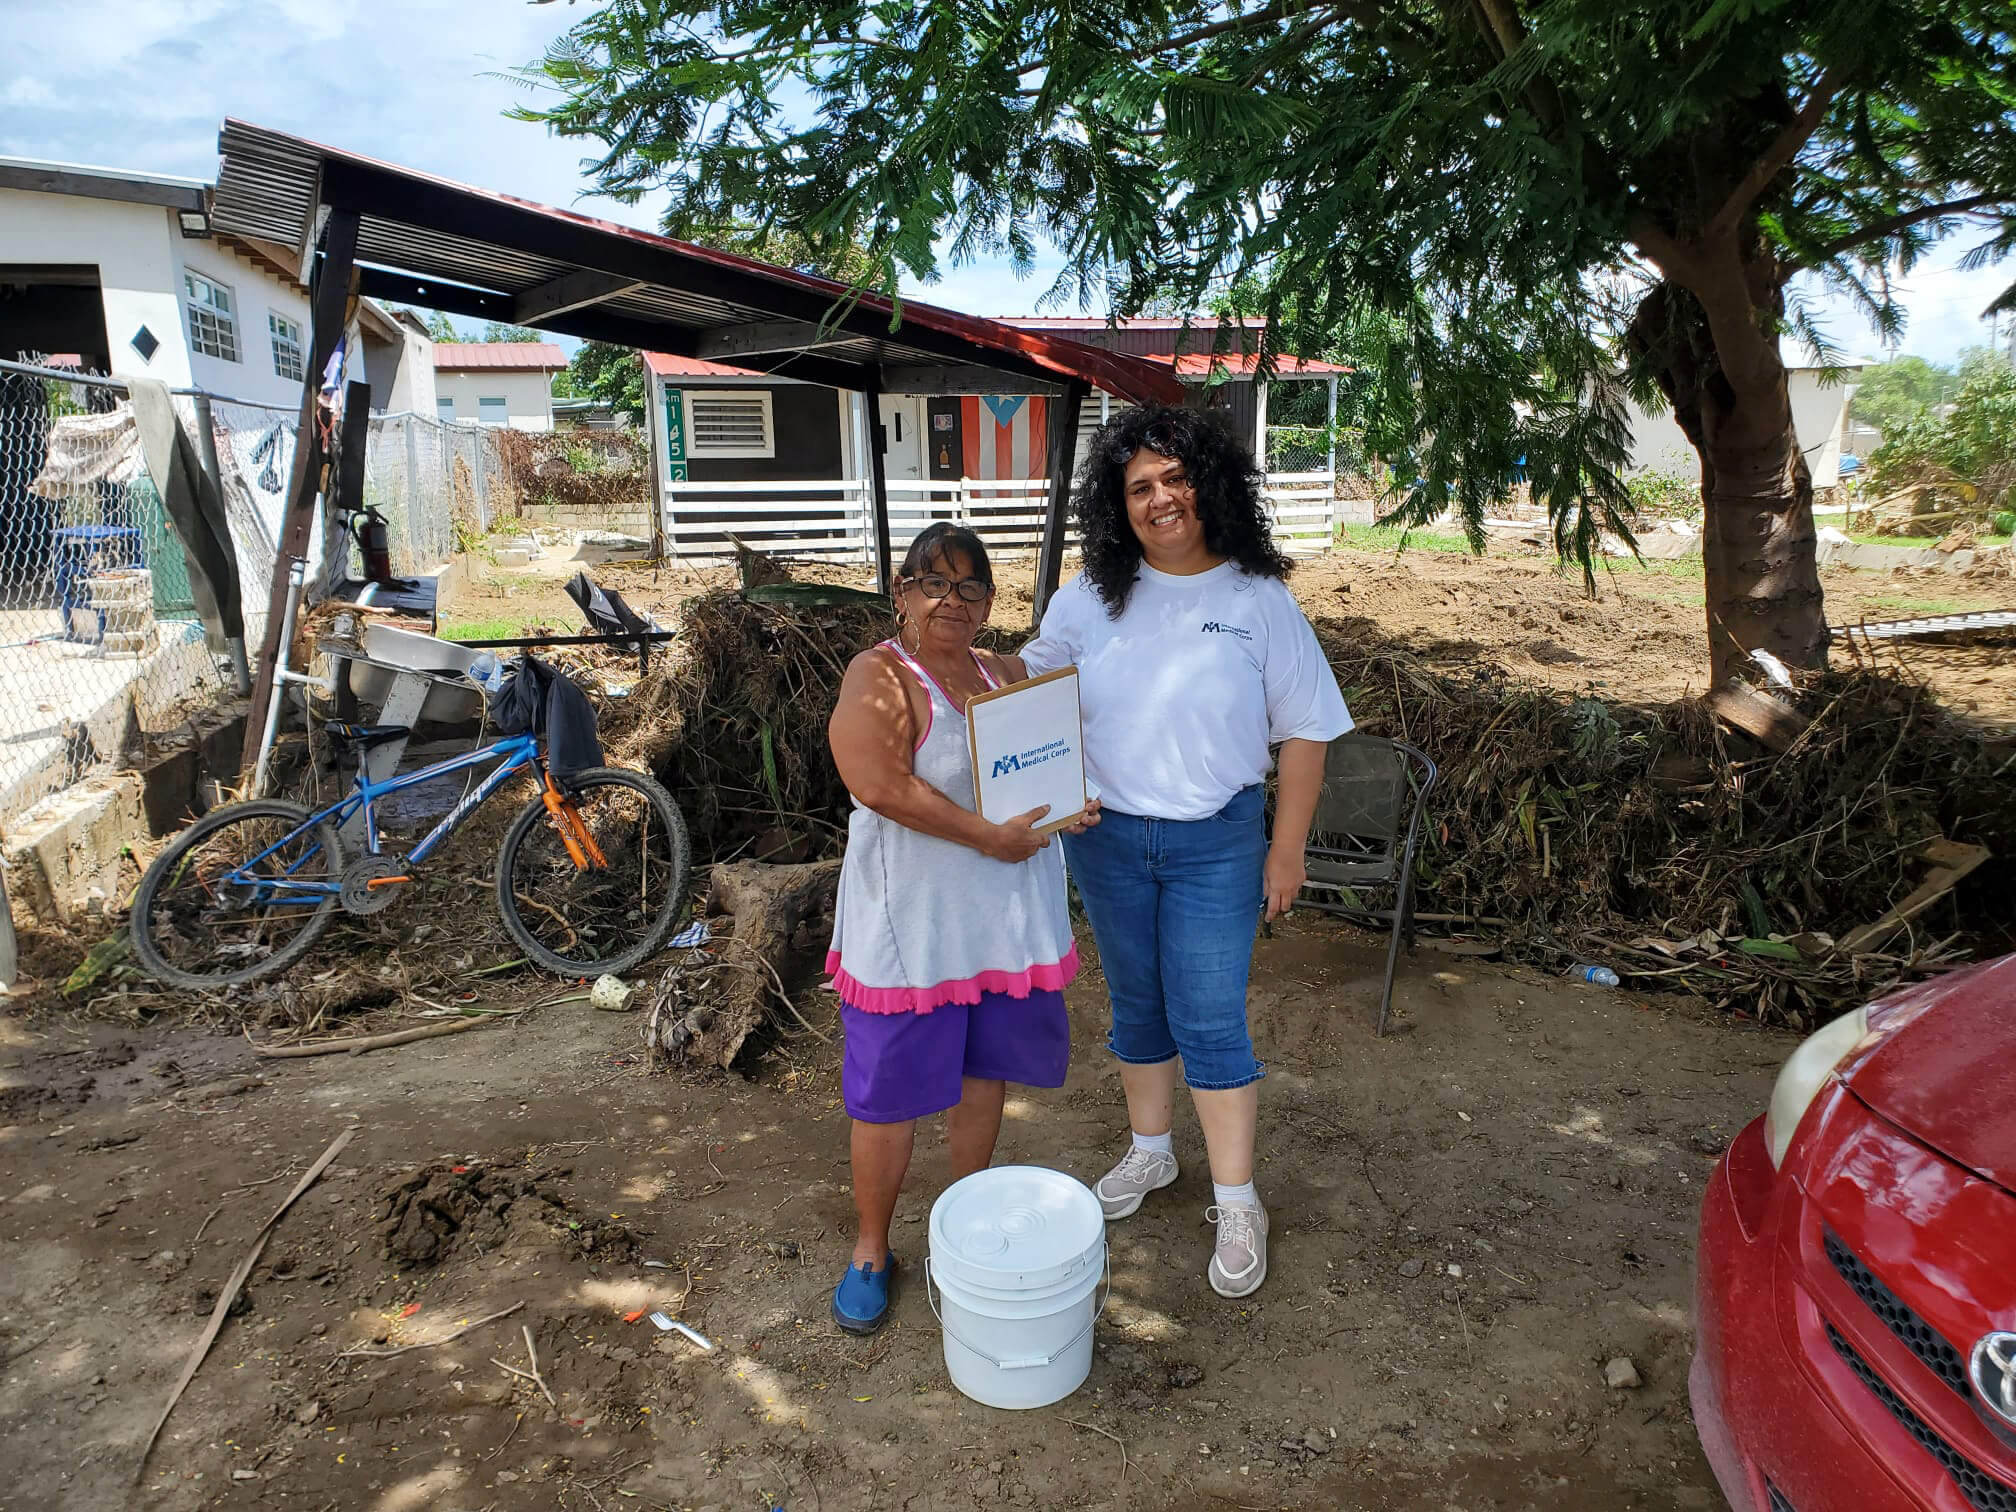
(502, 627)
(1906, 607)
(1399, 538)
(1915, 542)
(1687, 569)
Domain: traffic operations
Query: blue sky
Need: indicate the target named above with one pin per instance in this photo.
(144, 84)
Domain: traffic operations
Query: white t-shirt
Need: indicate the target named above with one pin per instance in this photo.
(1184, 692)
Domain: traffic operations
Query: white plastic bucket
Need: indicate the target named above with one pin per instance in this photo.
(1017, 1255)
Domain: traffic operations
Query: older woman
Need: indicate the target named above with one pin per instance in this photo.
(1194, 660)
(952, 940)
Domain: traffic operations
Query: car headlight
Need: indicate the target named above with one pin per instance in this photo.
(1805, 1073)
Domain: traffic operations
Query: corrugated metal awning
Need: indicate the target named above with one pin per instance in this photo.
(443, 245)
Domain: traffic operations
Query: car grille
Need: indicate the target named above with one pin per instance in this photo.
(1983, 1492)
(1778, 1500)
(1918, 1336)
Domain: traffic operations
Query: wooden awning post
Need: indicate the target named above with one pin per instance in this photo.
(878, 484)
(329, 303)
(1063, 452)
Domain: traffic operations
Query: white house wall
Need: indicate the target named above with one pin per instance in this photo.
(528, 397)
(137, 273)
(1820, 415)
(1819, 411)
(254, 294)
(415, 388)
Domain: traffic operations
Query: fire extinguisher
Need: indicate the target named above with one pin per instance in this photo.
(374, 542)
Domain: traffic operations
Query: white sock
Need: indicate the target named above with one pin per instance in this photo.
(1233, 1196)
(1156, 1144)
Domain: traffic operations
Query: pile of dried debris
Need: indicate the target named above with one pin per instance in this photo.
(1784, 882)
(734, 723)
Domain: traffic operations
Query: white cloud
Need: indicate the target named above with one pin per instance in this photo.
(26, 93)
(414, 82)
(402, 81)
(145, 84)
(1943, 304)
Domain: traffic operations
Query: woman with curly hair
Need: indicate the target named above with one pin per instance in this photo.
(1194, 660)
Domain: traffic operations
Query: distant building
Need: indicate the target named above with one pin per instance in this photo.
(734, 425)
(120, 271)
(1819, 416)
(497, 382)
(591, 414)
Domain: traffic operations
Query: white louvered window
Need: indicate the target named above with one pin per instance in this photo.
(729, 423)
(212, 330)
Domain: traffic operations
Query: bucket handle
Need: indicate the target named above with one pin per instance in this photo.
(1039, 1361)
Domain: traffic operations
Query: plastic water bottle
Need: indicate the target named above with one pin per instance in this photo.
(1595, 976)
(487, 672)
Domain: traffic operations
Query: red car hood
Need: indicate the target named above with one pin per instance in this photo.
(1944, 1067)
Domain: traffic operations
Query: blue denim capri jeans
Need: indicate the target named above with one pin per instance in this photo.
(1174, 906)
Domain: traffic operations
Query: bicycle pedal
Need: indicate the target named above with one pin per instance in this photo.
(371, 883)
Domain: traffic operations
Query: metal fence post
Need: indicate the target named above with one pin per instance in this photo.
(482, 472)
(412, 465)
(1330, 435)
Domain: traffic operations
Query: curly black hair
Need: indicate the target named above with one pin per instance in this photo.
(1221, 470)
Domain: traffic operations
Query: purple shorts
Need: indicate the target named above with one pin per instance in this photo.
(901, 1066)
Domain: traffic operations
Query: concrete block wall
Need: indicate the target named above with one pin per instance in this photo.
(66, 856)
(631, 519)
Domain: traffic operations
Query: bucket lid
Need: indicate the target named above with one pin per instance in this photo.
(1016, 1228)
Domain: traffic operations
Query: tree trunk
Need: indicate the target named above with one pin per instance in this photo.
(1758, 556)
(1757, 544)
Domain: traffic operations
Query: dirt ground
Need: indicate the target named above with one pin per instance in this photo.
(1641, 640)
(1471, 1217)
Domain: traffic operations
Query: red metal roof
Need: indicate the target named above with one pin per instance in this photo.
(1244, 365)
(665, 365)
(1189, 365)
(525, 356)
(414, 228)
(1197, 323)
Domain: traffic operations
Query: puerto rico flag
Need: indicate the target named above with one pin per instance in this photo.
(1004, 435)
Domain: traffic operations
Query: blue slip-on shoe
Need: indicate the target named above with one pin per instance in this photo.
(861, 1300)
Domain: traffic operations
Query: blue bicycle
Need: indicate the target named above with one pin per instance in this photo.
(589, 880)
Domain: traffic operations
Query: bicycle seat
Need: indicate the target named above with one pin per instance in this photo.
(363, 737)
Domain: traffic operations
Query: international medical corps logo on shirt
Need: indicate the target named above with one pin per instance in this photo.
(1215, 627)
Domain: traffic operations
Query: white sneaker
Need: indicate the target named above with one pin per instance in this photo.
(1140, 1172)
(1239, 1263)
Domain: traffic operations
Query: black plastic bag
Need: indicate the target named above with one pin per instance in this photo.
(536, 699)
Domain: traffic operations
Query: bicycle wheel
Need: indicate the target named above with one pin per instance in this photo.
(192, 927)
(605, 916)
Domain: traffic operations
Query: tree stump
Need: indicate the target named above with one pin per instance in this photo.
(783, 924)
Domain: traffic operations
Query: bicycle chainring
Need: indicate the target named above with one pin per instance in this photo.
(359, 896)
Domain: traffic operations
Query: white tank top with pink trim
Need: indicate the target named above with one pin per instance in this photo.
(920, 921)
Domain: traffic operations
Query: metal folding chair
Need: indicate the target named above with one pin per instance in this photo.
(1368, 823)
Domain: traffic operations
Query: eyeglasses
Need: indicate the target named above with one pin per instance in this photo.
(936, 586)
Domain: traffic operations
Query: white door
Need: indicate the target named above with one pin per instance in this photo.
(903, 432)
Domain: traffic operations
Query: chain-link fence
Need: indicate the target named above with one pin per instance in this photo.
(100, 639)
(431, 480)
